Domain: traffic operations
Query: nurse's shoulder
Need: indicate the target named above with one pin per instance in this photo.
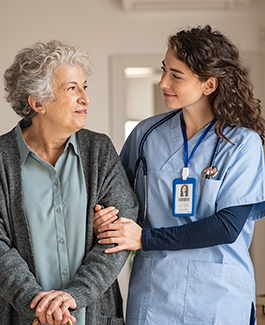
(130, 150)
(241, 136)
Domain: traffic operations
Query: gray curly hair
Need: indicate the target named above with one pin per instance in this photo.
(32, 73)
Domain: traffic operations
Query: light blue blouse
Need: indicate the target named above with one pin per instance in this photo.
(55, 202)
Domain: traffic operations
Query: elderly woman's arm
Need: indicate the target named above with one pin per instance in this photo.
(107, 178)
(18, 285)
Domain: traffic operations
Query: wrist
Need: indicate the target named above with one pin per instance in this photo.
(141, 234)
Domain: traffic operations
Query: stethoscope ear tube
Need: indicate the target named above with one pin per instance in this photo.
(140, 159)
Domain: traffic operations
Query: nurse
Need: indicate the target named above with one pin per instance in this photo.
(192, 264)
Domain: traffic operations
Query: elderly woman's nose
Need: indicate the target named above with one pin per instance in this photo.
(83, 98)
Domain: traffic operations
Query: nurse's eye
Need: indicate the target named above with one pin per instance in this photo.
(163, 69)
(176, 77)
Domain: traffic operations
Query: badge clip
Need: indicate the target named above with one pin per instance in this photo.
(185, 173)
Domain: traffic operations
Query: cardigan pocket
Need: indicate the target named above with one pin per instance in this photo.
(106, 320)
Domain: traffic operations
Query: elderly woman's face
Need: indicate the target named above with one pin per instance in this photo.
(68, 111)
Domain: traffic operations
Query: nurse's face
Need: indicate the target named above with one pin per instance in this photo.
(181, 87)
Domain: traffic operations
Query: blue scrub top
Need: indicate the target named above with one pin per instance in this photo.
(213, 285)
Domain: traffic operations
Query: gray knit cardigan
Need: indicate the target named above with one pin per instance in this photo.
(94, 285)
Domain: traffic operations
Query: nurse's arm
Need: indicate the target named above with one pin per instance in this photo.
(220, 228)
(125, 233)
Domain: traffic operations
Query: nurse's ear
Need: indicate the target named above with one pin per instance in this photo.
(36, 106)
(210, 86)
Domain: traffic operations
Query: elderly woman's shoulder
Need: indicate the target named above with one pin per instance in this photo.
(8, 147)
(92, 135)
(8, 138)
(91, 138)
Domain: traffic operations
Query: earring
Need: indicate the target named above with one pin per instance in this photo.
(42, 111)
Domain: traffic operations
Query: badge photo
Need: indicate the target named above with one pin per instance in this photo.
(184, 195)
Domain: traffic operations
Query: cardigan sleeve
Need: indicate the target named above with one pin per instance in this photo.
(107, 184)
(18, 284)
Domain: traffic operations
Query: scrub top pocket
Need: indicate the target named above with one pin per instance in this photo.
(207, 197)
(214, 294)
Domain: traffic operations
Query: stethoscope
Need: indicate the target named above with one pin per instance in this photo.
(207, 172)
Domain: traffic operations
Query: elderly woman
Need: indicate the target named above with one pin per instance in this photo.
(53, 172)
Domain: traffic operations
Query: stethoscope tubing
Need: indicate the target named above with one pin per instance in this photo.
(142, 159)
(153, 127)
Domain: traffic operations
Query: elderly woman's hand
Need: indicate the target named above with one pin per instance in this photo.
(103, 217)
(53, 307)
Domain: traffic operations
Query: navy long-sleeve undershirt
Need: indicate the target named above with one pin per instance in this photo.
(220, 228)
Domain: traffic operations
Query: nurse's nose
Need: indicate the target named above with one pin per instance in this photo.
(164, 82)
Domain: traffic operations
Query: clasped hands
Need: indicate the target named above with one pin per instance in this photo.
(53, 307)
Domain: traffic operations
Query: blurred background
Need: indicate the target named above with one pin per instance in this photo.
(126, 40)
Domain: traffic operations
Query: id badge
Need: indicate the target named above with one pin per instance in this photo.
(184, 197)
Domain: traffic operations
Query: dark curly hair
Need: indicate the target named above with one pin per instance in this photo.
(211, 54)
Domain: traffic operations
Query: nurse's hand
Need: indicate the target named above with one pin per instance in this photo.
(124, 232)
(103, 217)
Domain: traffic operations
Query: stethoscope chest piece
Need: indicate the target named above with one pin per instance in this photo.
(209, 172)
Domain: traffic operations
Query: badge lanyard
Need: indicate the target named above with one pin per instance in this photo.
(185, 171)
(184, 189)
